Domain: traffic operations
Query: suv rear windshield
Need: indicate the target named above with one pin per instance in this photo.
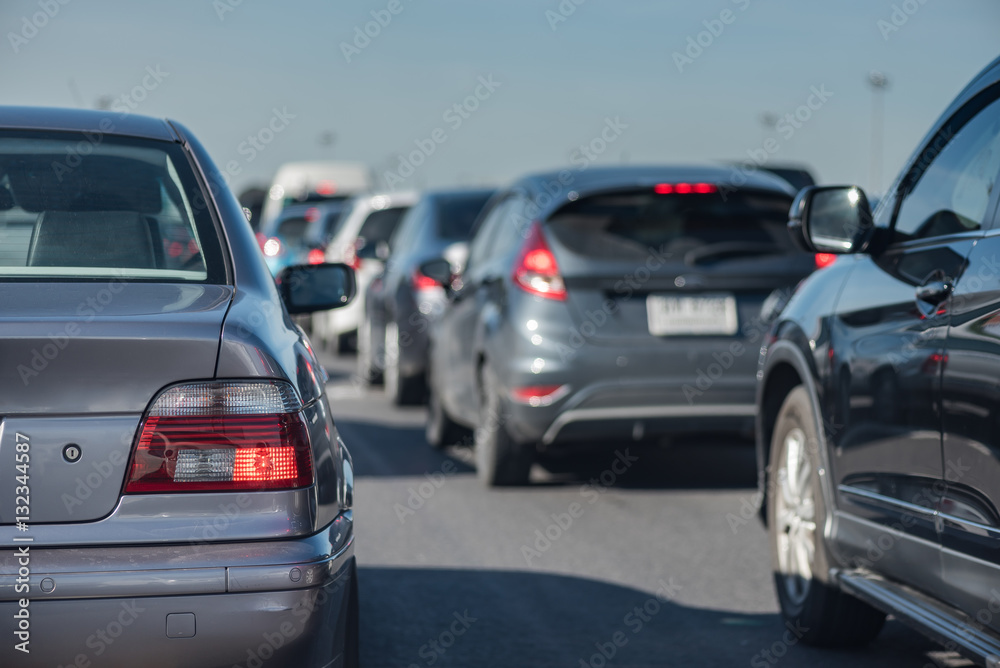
(77, 206)
(694, 228)
(378, 227)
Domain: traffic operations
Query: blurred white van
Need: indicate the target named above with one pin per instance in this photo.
(314, 181)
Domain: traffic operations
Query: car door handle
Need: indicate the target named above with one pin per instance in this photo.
(935, 292)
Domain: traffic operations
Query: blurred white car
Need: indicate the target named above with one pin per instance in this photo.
(361, 241)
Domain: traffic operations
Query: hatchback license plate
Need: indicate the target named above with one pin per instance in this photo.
(704, 314)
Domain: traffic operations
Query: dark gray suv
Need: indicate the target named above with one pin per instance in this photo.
(610, 304)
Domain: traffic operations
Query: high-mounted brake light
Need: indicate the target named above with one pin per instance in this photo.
(685, 188)
(536, 270)
(222, 436)
(316, 256)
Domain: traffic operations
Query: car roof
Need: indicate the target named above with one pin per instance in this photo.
(594, 179)
(446, 193)
(86, 120)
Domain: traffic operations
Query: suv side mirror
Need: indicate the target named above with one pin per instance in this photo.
(316, 287)
(831, 219)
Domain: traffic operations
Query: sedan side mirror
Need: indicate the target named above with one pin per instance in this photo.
(316, 287)
(438, 269)
(831, 219)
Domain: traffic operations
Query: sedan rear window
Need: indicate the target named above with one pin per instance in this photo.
(694, 228)
(79, 206)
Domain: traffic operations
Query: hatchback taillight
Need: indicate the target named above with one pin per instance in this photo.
(222, 436)
(536, 270)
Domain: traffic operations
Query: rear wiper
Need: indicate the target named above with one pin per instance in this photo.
(728, 249)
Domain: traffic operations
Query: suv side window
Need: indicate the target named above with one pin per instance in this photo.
(949, 192)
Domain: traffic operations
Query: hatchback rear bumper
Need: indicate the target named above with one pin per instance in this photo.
(192, 604)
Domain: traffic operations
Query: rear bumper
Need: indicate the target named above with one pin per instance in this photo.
(632, 410)
(193, 604)
(628, 392)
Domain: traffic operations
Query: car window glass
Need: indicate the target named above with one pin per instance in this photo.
(512, 228)
(128, 208)
(406, 233)
(950, 194)
(457, 214)
(378, 226)
(689, 228)
(480, 250)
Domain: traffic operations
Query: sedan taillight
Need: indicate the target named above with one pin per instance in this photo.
(222, 436)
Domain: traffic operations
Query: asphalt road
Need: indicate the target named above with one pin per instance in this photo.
(651, 565)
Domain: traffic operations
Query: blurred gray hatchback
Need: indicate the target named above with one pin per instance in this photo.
(173, 490)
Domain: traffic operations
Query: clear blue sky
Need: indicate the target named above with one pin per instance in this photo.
(223, 72)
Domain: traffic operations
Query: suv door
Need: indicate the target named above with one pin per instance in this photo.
(888, 349)
(969, 515)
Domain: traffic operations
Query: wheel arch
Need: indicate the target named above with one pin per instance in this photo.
(785, 369)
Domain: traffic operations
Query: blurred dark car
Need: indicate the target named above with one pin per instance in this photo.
(401, 304)
(300, 234)
(878, 437)
(168, 457)
(609, 305)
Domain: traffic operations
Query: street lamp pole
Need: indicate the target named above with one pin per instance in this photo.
(879, 82)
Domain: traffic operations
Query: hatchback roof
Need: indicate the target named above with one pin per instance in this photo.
(596, 179)
(85, 120)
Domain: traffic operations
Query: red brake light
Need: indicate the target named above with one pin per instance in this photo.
(538, 395)
(536, 270)
(825, 259)
(222, 436)
(685, 188)
(316, 256)
(423, 282)
(326, 188)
